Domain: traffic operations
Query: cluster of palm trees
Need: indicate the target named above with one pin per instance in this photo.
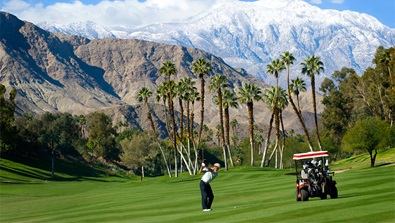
(182, 136)
(278, 99)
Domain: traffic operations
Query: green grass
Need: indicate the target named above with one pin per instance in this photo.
(384, 157)
(241, 195)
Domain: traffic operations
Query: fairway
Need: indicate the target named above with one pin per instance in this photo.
(241, 195)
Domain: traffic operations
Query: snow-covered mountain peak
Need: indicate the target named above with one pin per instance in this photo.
(87, 29)
(249, 34)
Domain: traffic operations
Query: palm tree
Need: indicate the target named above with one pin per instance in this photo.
(169, 69)
(282, 102)
(233, 124)
(180, 92)
(274, 68)
(201, 68)
(161, 93)
(310, 67)
(143, 96)
(268, 97)
(229, 100)
(193, 97)
(219, 82)
(185, 89)
(298, 85)
(188, 86)
(288, 59)
(248, 94)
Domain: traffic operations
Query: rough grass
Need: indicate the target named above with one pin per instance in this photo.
(241, 195)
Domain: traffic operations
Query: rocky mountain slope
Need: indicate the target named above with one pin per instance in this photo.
(66, 73)
(250, 34)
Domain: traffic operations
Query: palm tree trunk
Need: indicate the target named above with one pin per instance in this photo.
(171, 107)
(180, 150)
(271, 155)
(277, 125)
(250, 107)
(166, 121)
(181, 118)
(299, 115)
(315, 112)
(160, 147)
(188, 119)
(276, 157)
(227, 138)
(298, 100)
(221, 122)
(267, 141)
(150, 118)
(284, 137)
(164, 158)
(201, 112)
(192, 121)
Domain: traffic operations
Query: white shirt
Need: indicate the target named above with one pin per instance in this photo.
(209, 176)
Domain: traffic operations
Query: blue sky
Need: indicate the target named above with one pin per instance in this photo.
(383, 10)
(40, 10)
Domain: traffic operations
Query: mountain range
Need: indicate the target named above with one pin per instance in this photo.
(54, 72)
(250, 34)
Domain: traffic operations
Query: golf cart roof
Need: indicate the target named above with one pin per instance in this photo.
(301, 156)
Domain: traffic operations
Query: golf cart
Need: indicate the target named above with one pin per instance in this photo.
(313, 177)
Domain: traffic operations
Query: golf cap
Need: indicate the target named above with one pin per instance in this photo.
(217, 165)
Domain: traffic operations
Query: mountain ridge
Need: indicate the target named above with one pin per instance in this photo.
(251, 34)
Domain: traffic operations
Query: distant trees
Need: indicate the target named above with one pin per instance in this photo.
(7, 120)
(137, 150)
(101, 141)
(370, 134)
(353, 101)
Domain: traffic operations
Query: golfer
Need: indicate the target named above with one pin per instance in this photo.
(205, 188)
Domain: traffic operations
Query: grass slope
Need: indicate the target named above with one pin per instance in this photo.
(241, 195)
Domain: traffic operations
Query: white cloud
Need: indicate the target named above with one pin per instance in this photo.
(130, 13)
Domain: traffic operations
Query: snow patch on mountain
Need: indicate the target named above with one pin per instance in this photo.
(86, 29)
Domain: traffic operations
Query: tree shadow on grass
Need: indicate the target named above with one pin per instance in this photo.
(24, 173)
(34, 171)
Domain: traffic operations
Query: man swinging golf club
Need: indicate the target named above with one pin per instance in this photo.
(205, 188)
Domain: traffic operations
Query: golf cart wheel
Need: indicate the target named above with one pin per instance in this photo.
(305, 195)
(334, 192)
(296, 194)
(323, 196)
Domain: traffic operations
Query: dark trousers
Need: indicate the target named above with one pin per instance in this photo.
(207, 195)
